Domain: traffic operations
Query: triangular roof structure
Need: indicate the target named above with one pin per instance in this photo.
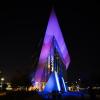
(53, 30)
(53, 83)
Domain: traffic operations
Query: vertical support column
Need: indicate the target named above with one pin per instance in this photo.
(52, 56)
(52, 63)
(49, 66)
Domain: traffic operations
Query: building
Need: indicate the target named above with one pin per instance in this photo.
(54, 54)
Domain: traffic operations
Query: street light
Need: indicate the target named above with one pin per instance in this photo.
(1, 83)
(2, 79)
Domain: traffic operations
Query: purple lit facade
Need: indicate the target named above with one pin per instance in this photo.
(53, 30)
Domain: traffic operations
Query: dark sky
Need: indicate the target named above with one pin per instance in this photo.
(22, 28)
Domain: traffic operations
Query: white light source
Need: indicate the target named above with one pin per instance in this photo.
(2, 79)
(57, 80)
(64, 84)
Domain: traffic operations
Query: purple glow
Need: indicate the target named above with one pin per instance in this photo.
(53, 30)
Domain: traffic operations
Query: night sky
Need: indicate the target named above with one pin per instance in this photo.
(22, 29)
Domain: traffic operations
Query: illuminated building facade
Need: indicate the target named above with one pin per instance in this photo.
(54, 54)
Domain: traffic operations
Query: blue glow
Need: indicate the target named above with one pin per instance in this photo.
(73, 95)
(53, 83)
(57, 80)
(64, 84)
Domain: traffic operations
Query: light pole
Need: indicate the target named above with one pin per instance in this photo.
(1, 83)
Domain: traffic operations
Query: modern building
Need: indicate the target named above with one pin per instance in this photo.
(53, 57)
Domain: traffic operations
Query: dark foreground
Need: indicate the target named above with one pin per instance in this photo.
(23, 95)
